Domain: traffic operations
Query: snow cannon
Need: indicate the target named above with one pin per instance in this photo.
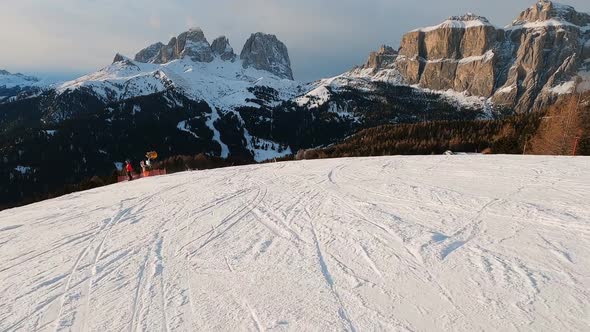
(152, 155)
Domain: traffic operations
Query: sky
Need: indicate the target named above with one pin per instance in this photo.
(68, 38)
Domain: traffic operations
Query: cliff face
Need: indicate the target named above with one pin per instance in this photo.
(521, 67)
(265, 52)
(190, 43)
(544, 49)
(457, 54)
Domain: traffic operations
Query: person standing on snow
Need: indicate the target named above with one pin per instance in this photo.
(129, 170)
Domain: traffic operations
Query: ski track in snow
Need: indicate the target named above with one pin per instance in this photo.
(455, 243)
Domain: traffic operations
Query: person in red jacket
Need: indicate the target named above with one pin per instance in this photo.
(129, 170)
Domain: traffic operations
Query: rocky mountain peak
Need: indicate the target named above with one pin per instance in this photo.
(222, 49)
(384, 57)
(545, 10)
(518, 67)
(469, 17)
(119, 58)
(191, 44)
(150, 53)
(266, 52)
(18, 76)
(194, 45)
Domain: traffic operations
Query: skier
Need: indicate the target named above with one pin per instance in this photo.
(129, 170)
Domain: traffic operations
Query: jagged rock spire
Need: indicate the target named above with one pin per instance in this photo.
(223, 49)
(265, 52)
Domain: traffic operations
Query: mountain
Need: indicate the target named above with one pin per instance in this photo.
(525, 66)
(428, 243)
(191, 66)
(11, 85)
(189, 96)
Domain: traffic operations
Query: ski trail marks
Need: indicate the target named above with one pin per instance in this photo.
(368, 259)
(98, 252)
(94, 268)
(329, 280)
(255, 318)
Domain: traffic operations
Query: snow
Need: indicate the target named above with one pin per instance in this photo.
(506, 89)
(22, 169)
(343, 113)
(456, 24)
(451, 243)
(563, 88)
(120, 81)
(487, 56)
(182, 125)
(264, 149)
(315, 98)
(8, 80)
(50, 132)
(364, 79)
(553, 22)
(359, 78)
(225, 84)
(461, 98)
(216, 134)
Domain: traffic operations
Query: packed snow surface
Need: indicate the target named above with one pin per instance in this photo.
(455, 243)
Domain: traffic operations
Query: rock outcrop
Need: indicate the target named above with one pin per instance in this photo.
(150, 54)
(518, 67)
(457, 54)
(192, 44)
(223, 49)
(544, 47)
(546, 10)
(383, 58)
(266, 52)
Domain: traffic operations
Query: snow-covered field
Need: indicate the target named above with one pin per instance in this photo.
(455, 243)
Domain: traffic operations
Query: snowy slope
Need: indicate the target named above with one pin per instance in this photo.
(454, 243)
(12, 85)
(8, 80)
(223, 84)
(368, 79)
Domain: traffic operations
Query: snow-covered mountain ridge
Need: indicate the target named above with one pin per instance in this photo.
(13, 84)
(191, 65)
(223, 84)
(433, 243)
(8, 80)
(469, 60)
